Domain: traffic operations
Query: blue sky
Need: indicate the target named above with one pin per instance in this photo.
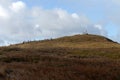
(23, 20)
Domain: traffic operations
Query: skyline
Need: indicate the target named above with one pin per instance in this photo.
(23, 20)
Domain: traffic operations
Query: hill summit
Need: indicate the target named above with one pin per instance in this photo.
(84, 38)
(76, 41)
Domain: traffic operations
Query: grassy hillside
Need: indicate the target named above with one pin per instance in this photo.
(79, 57)
(77, 41)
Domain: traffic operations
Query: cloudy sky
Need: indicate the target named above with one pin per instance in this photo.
(23, 20)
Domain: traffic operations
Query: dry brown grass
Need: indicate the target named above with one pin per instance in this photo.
(79, 57)
(77, 41)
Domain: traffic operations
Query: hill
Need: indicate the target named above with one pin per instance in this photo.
(76, 41)
(78, 57)
(84, 38)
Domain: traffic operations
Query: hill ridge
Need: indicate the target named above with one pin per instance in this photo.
(84, 38)
(76, 41)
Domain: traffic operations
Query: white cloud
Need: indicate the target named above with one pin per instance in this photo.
(38, 23)
(98, 26)
(3, 13)
(74, 15)
(17, 6)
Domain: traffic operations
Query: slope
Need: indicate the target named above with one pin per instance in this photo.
(78, 57)
(76, 41)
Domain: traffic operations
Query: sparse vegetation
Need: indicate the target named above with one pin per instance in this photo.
(79, 57)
